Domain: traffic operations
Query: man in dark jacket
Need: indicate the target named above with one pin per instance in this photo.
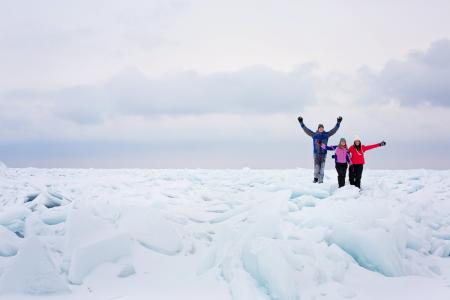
(319, 137)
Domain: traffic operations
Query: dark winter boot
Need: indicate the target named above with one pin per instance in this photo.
(315, 180)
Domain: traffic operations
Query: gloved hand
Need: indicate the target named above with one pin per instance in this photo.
(300, 120)
(383, 143)
(339, 119)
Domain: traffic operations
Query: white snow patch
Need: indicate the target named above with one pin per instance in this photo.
(9, 242)
(32, 272)
(151, 229)
(224, 234)
(86, 258)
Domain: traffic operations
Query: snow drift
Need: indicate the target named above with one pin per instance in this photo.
(223, 234)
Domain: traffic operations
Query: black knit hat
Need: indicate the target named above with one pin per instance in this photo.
(320, 125)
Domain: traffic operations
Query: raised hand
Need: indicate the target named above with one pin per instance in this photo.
(339, 119)
(300, 120)
(383, 143)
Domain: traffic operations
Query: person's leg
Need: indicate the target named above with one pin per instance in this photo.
(322, 168)
(316, 168)
(351, 174)
(341, 170)
(359, 171)
(344, 173)
(337, 170)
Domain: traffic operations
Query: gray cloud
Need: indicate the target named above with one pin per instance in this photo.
(422, 78)
(254, 90)
(83, 104)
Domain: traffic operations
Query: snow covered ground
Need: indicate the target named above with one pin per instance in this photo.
(223, 234)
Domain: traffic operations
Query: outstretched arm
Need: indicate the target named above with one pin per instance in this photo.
(328, 147)
(368, 147)
(365, 148)
(335, 129)
(305, 129)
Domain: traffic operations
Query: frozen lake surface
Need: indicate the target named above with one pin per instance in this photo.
(223, 234)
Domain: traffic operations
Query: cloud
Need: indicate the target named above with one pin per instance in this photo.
(253, 90)
(229, 119)
(61, 44)
(233, 141)
(82, 104)
(423, 78)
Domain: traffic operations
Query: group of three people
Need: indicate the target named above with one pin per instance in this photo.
(344, 156)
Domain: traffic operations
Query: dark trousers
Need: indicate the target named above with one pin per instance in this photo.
(341, 169)
(354, 175)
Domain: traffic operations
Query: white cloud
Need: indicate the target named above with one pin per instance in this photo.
(52, 44)
(49, 44)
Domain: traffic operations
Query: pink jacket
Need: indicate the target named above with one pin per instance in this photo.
(342, 154)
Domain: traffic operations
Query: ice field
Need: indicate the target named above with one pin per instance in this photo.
(223, 234)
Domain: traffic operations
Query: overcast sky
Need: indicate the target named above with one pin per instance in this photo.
(219, 84)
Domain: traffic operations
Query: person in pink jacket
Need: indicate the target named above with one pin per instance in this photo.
(341, 158)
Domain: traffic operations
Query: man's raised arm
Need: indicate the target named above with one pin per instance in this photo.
(305, 129)
(335, 129)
